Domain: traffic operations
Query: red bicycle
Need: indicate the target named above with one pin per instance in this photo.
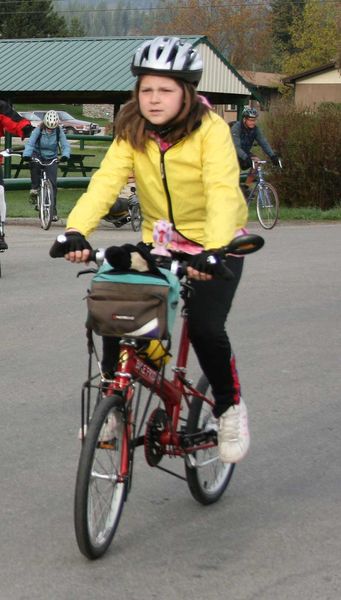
(116, 421)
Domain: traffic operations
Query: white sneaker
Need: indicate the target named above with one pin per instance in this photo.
(107, 432)
(211, 424)
(233, 434)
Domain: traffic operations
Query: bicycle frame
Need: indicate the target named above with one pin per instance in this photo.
(259, 183)
(45, 208)
(132, 368)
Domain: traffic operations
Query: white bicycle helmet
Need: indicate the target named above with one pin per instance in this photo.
(168, 56)
(51, 119)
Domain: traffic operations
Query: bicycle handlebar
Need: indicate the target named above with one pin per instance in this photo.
(8, 152)
(41, 163)
(239, 246)
(258, 161)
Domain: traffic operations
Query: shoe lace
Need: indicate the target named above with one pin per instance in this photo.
(230, 425)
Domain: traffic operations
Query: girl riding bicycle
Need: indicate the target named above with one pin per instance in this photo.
(187, 173)
(44, 143)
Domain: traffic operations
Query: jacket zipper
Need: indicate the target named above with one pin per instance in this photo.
(169, 200)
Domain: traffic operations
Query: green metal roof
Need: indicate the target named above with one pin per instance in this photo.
(88, 69)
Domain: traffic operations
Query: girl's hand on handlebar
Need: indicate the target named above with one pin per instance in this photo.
(206, 266)
(73, 247)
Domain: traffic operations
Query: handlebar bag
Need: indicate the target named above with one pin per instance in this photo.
(135, 304)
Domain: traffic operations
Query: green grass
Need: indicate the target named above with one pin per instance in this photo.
(306, 214)
(19, 206)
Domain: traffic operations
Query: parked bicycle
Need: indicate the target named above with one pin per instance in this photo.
(264, 194)
(171, 422)
(45, 198)
(126, 210)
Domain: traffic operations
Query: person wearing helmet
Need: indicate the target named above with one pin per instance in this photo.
(15, 124)
(187, 173)
(44, 143)
(245, 133)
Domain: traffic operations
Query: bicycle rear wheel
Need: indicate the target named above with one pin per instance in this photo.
(207, 477)
(101, 478)
(136, 218)
(46, 204)
(267, 206)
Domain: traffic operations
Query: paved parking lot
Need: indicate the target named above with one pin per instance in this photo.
(276, 532)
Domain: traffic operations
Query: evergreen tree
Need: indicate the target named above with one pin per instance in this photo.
(283, 15)
(31, 19)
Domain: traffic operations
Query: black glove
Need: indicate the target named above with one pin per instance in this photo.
(27, 159)
(73, 241)
(245, 163)
(275, 160)
(26, 131)
(211, 263)
(63, 159)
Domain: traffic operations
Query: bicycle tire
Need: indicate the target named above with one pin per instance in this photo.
(267, 205)
(135, 217)
(100, 492)
(46, 204)
(207, 482)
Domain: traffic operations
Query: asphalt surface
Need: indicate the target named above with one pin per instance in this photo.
(276, 532)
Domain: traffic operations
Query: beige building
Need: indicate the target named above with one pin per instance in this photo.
(322, 84)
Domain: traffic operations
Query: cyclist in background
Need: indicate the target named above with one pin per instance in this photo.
(245, 133)
(13, 123)
(187, 173)
(44, 143)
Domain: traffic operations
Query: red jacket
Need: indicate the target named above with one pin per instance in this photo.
(12, 122)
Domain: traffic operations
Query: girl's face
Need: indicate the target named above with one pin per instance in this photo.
(160, 98)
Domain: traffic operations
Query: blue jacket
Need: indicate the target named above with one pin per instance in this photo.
(244, 139)
(44, 144)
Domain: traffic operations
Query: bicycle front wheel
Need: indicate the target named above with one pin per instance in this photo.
(46, 204)
(207, 476)
(101, 479)
(267, 206)
(136, 218)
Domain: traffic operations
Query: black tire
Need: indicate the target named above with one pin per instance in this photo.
(136, 217)
(206, 483)
(99, 496)
(267, 204)
(46, 204)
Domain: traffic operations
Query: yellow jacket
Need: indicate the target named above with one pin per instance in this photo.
(194, 185)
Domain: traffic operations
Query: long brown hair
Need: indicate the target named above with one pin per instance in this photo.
(131, 126)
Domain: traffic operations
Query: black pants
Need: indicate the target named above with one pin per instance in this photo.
(51, 173)
(208, 308)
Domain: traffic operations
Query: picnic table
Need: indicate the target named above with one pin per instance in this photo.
(75, 164)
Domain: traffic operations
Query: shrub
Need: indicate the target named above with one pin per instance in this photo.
(309, 142)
